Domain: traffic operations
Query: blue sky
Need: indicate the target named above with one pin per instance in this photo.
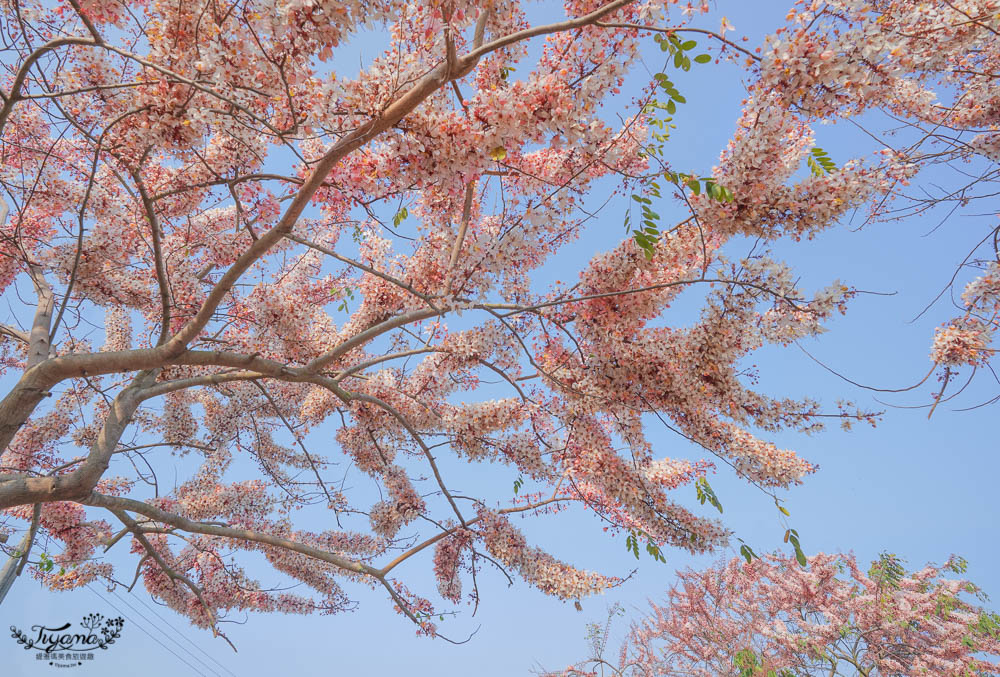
(917, 487)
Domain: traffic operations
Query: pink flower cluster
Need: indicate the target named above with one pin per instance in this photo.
(830, 618)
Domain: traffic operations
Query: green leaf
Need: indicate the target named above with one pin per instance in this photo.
(702, 58)
(690, 44)
(887, 570)
(792, 536)
(671, 107)
(705, 493)
(654, 552)
(632, 544)
(819, 162)
(694, 186)
(747, 662)
(518, 483)
(498, 153)
(814, 166)
(46, 563)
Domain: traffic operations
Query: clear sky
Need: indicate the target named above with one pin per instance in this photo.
(920, 488)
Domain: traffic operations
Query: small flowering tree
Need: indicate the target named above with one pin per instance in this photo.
(773, 618)
(222, 255)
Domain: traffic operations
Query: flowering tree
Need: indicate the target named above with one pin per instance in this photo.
(773, 618)
(932, 70)
(281, 254)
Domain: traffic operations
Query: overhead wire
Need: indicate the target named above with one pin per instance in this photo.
(187, 639)
(146, 632)
(164, 633)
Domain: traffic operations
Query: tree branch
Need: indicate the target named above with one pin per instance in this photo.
(183, 523)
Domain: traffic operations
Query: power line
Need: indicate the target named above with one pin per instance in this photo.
(165, 634)
(168, 649)
(153, 625)
(185, 637)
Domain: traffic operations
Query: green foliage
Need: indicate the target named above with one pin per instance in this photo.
(632, 544)
(705, 493)
(887, 571)
(957, 564)
(647, 236)
(747, 552)
(518, 483)
(946, 604)
(673, 96)
(698, 185)
(792, 536)
(400, 216)
(988, 625)
(653, 550)
(749, 664)
(424, 616)
(46, 563)
(819, 162)
(672, 45)
(345, 295)
(648, 232)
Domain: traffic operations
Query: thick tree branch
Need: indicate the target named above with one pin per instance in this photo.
(183, 523)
